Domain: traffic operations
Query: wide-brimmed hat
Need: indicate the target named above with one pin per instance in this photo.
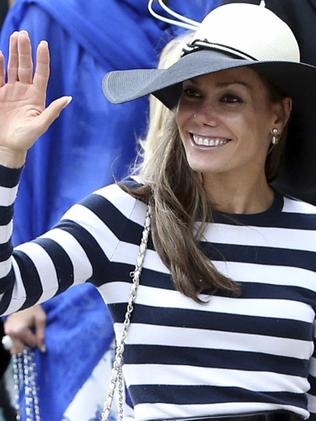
(237, 35)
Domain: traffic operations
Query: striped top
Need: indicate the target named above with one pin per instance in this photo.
(183, 359)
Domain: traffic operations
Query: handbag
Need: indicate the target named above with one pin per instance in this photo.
(116, 380)
(24, 368)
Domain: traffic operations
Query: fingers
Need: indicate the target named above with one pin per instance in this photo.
(20, 328)
(21, 339)
(17, 347)
(40, 327)
(20, 63)
(14, 346)
(2, 70)
(41, 74)
(25, 329)
(13, 58)
(25, 63)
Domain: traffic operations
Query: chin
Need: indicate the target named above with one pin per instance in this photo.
(204, 167)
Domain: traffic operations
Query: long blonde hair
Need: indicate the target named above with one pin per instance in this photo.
(158, 112)
(177, 198)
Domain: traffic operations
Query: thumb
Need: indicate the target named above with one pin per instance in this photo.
(40, 327)
(52, 112)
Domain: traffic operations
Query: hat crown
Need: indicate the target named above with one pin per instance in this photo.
(253, 30)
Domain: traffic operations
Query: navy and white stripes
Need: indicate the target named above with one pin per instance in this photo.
(227, 356)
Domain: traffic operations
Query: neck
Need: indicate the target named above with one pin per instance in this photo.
(239, 195)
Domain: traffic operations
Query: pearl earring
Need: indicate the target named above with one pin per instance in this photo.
(275, 136)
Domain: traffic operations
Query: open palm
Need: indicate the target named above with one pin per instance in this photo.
(23, 115)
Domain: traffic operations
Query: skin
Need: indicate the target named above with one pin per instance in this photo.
(231, 105)
(23, 115)
(233, 174)
(27, 328)
(23, 118)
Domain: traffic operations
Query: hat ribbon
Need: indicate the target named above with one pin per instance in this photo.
(182, 21)
(199, 44)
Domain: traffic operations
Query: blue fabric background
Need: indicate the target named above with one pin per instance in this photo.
(91, 142)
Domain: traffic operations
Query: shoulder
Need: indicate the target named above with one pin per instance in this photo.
(296, 206)
(111, 203)
(118, 197)
(297, 215)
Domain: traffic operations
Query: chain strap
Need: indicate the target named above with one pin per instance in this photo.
(18, 380)
(117, 373)
(24, 376)
(24, 368)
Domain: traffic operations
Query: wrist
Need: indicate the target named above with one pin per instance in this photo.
(12, 159)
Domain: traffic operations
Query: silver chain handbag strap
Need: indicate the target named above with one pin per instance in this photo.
(117, 374)
(24, 376)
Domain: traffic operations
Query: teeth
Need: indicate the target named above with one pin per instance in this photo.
(209, 141)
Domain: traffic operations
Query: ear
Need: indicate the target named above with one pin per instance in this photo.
(282, 113)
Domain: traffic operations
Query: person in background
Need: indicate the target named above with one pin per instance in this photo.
(98, 146)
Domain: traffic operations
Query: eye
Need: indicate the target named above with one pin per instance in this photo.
(231, 99)
(191, 92)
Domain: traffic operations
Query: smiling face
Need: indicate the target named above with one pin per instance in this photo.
(225, 121)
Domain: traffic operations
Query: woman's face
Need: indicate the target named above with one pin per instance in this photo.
(225, 121)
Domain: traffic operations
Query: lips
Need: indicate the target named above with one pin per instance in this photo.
(209, 142)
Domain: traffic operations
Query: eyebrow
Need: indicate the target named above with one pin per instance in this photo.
(228, 83)
(234, 82)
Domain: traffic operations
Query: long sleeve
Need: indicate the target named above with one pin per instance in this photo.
(78, 249)
(8, 190)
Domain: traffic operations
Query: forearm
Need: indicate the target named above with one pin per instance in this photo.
(9, 178)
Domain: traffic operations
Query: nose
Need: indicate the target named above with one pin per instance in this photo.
(206, 115)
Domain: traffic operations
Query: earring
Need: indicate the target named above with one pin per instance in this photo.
(275, 136)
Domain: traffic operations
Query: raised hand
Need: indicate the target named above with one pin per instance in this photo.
(23, 116)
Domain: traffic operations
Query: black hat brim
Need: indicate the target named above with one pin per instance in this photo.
(297, 80)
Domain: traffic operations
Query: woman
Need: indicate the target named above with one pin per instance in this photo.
(223, 318)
